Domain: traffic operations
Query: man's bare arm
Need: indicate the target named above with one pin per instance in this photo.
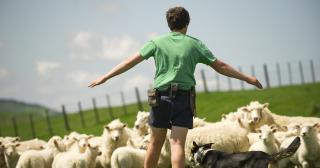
(227, 70)
(119, 69)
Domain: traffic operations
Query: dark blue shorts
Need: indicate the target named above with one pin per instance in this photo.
(172, 112)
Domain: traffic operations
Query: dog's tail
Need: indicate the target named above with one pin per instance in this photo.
(289, 151)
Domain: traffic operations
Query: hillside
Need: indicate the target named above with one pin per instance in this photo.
(288, 100)
(9, 108)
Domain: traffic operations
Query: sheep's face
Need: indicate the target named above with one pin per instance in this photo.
(115, 132)
(94, 150)
(294, 129)
(267, 135)
(256, 110)
(10, 149)
(308, 131)
(142, 120)
(82, 144)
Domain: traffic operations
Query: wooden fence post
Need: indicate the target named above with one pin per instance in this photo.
(49, 122)
(65, 117)
(253, 72)
(290, 73)
(301, 72)
(312, 72)
(95, 111)
(138, 99)
(241, 81)
(265, 69)
(109, 107)
(83, 124)
(15, 127)
(124, 106)
(33, 131)
(279, 74)
(204, 81)
(218, 82)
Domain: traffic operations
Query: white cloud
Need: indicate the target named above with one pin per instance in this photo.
(44, 68)
(80, 79)
(3, 73)
(92, 46)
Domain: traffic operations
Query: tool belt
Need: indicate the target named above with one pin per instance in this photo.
(172, 92)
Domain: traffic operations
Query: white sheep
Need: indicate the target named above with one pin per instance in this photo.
(42, 158)
(261, 115)
(2, 159)
(141, 125)
(128, 157)
(115, 135)
(308, 154)
(226, 136)
(11, 154)
(292, 130)
(200, 122)
(74, 159)
(267, 142)
(32, 144)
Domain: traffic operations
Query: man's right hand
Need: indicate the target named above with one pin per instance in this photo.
(98, 81)
(254, 81)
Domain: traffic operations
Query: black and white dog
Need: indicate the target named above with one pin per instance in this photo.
(205, 156)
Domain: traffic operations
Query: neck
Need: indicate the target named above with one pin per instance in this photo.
(183, 30)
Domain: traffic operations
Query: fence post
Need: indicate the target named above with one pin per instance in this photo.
(218, 82)
(109, 106)
(241, 81)
(65, 117)
(279, 74)
(301, 72)
(95, 111)
(204, 81)
(265, 69)
(49, 122)
(15, 127)
(290, 73)
(312, 72)
(83, 124)
(124, 106)
(229, 83)
(138, 99)
(33, 131)
(253, 72)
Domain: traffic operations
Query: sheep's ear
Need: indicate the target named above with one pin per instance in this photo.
(209, 145)
(89, 145)
(195, 144)
(223, 116)
(274, 130)
(17, 144)
(55, 142)
(107, 127)
(124, 125)
(265, 105)
(17, 139)
(245, 109)
(316, 125)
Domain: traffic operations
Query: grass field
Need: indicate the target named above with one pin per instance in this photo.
(289, 100)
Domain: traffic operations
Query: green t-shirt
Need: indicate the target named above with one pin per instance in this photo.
(176, 55)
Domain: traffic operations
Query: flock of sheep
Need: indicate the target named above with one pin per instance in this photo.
(251, 128)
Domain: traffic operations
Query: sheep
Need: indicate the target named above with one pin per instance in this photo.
(308, 154)
(33, 144)
(200, 122)
(115, 135)
(131, 157)
(11, 154)
(261, 115)
(292, 130)
(5, 140)
(267, 142)
(228, 137)
(141, 125)
(74, 159)
(42, 158)
(2, 159)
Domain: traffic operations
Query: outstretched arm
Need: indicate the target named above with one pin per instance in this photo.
(227, 70)
(119, 69)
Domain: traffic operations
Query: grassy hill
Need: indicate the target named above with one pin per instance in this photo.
(289, 100)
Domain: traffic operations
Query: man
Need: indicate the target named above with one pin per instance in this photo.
(176, 55)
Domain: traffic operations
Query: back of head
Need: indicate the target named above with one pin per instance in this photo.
(177, 18)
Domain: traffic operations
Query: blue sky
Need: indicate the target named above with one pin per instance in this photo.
(51, 50)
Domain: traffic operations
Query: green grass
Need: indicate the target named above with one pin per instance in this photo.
(289, 100)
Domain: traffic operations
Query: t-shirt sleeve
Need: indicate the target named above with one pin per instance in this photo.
(148, 50)
(205, 56)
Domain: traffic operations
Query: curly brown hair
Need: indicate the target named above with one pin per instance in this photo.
(177, 18)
